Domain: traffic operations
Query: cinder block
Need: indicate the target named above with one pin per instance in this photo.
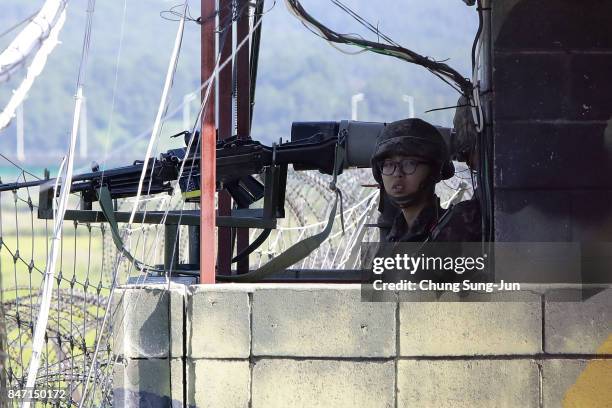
(218, 383)
(177, 378)
(142, 383)
(176, 322)
(578, 327)
(141, 322)
(527, 148)
(315, 322)
(531, 86)
(589, 100)
(532, 216)
(592, 225)
(557, 377)
(470, 329)
(577, 383)
(467, 383)
(218, 323)
(323, 383)
(551, 26)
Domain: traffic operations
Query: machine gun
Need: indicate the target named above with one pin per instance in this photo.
(313, 146)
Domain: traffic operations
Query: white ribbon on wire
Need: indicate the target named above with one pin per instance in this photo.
(47, 292)
(35, 68)
(58, 220)
(31, 37)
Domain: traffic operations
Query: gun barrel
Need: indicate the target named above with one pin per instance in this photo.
(17, 186)
(86, 181)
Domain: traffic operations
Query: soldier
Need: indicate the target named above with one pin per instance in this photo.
(463, 222)
(410, 157)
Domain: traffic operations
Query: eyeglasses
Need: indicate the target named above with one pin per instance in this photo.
(406, 166)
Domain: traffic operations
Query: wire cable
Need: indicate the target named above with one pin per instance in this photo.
(19, 24)
(442, 70)
(163, 106)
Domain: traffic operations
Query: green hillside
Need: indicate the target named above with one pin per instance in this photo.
(300, 77)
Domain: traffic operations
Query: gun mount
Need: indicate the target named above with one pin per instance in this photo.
(247, 169)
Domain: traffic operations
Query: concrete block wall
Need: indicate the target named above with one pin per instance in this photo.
(306, 345)
(552, 117)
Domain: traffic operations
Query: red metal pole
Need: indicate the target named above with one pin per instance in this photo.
(208, 153)
(224, 244)
(243, 108)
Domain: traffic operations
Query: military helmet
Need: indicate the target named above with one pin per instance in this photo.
(413, 137)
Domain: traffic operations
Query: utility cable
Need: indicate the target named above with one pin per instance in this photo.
(440, 69)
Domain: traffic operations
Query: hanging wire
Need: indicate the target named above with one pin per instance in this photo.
(442, 70)
(175, 13)
(19, 24)
(204, 102)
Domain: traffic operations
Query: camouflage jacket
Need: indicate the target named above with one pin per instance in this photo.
(461, 223)
(421, 227)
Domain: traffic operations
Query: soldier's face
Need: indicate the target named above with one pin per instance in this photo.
(402, 175)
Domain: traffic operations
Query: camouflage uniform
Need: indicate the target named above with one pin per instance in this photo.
(421, 227)
(461, 224)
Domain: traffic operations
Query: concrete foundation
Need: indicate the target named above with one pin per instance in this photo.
(306, 345)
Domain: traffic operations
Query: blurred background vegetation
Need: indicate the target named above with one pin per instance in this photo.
(300, 77)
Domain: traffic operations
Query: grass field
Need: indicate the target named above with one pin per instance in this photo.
(81, 286)
(25, 244)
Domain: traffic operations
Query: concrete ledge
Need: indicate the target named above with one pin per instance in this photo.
(282, 383)
(218, 323)
(321, 323)
(218, 383)
(469, 384)
(141, 322)
(578, 327)
(470, 329)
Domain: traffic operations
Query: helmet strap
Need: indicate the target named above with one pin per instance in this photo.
(408, 200)
(424, 191)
